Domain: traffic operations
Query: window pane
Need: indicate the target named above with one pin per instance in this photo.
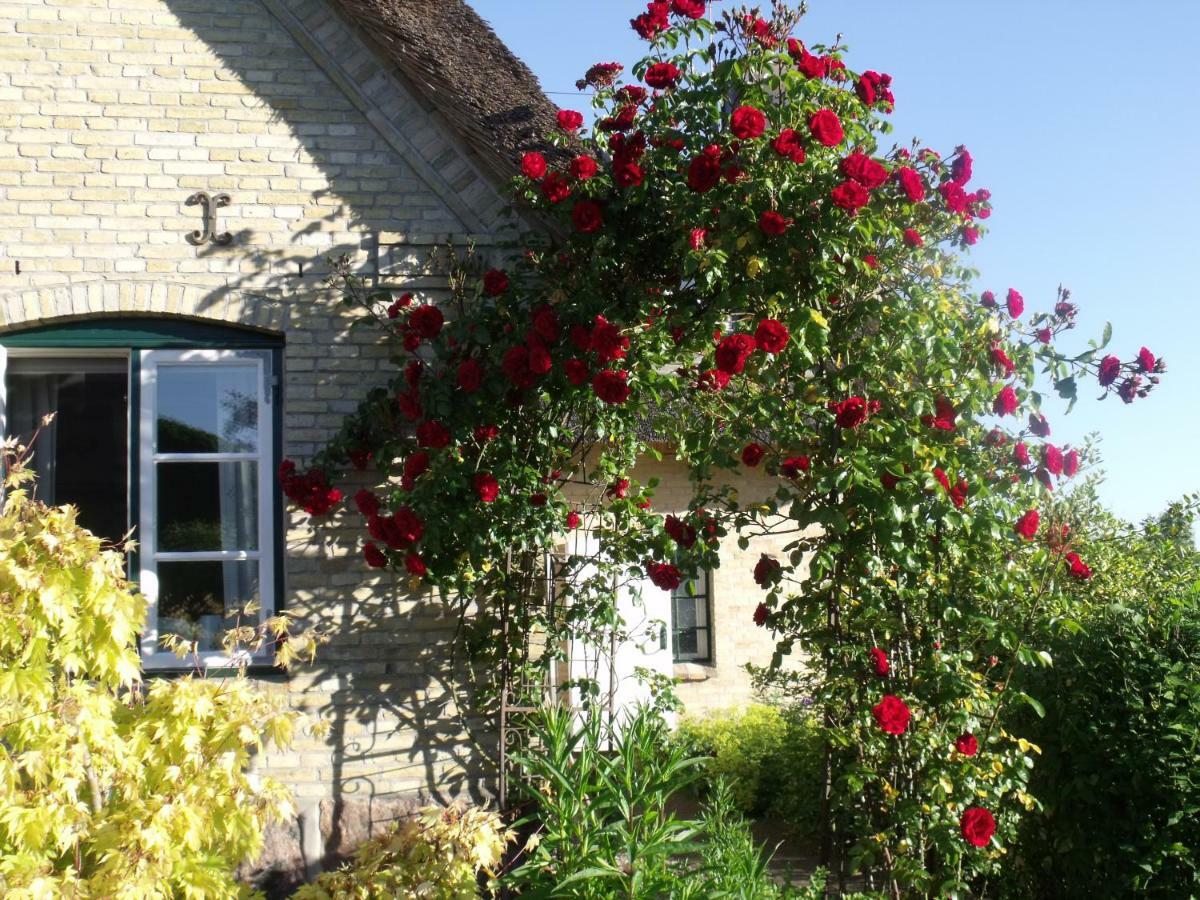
(207, 409)
(199, 600)
(686, 644)
(80, 458)
(207, 506)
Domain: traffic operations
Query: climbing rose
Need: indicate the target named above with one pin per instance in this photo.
(606, 341)
(1015, 303)
(1005, 403)
(569, 120)
(771, 336)
(825, 127)
(704, 171)
(611, 386)
(788, 145)
(760, 614)
(664, 575)
(794, 466)
(427, 321)
(374, 556)
(487, 487)
(587, 216)
(1027, 525)
(485, 433)
(879, 662)
(367, 502)
(943, 416)
(766, 571)
(747, 122)
(696, 238)
(850, 196)
(652, 21)
(583, 167)
(470, 375)
(891, 714)
(693, 9)
(416, 465)
(495, 282)
(912, 237)
(573, 520)
(1021, 454)
(576, 371)
(1001, 360)
(1146, 360)
(432, 434)
(977, 825)
(851, 412)
(733, 351)
(1052, 459)
(533, 165)
(772, 223)
(545, 322)
(1070, 463)
(988, 300)
(752, 454)
(1078, 567)
(1110, 368)
(619, 488)
(861, 168)
(415, 565)
(911, 183)
(663, 75)
(627, 173)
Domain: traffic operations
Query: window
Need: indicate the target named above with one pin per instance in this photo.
(691, 633)
(173, 437)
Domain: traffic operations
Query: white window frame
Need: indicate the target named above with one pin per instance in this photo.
(153, 655)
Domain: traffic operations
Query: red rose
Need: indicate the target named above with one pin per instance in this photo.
(415, 565)
(911, 184)
(1005, 403)
(533, 165)
(583, 168)
(977, 825)
(912, 238)
(538, 499)
(515, 366)
(1110, 369)
(1001, 360)
(966, 744)
(851, 412)
(485, 433)
(825, 127)
(879, 662)
(545, 322)
(1027, 525)
(794, 466)
(767, 571)
(1071, 463)
(1021, 454)
(943, 416)
(359, 458)
(664, 575)
(788, 145)
(861, 168)
(470, 375)
(487, 488)
(374, 556)
(573, 520)
(662, 75)
(569, 119)
(611, 386)
(680, 531)
(367, 502)
(1015, 303)
(426, 321)
(416, 465)
(1052, 459)
(495, 282)
(891, 714)
(960, 169)
(618, 489)
(576, 371)
(606, 341)
(760, 614)
(850, 196)
(747, 122)
(772, 223)
(771, 336)
(712, 380)
(587, 216)
(1078, 567)
(627, 173)
(704, 172)
(988, 300)
(733, 351)
(556, 188)
(409, 404)
(1146, 360)
(432, 434)
(653, 20)
(408, 527)
(888, 480)
(693, 9)
(752, 455)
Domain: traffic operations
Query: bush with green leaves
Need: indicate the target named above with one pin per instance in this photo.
(441, 854)
(1119, 772)
(111, 787)
(771, 758)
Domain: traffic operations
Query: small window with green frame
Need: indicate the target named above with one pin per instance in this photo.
(691, 620)
(169, 430)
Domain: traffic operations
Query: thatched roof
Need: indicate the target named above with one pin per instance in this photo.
(457, 62)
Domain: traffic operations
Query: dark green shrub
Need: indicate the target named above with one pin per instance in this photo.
(1119, 775)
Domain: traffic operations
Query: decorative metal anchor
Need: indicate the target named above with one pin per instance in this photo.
(211, 203)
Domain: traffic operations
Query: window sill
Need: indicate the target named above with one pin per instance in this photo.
(262, 671)
(688, 672)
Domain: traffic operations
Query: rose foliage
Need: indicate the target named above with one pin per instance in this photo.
(739, 263)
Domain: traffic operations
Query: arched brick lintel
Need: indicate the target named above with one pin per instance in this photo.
(112, 299)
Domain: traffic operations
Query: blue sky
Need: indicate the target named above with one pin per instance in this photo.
(1081, 122)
